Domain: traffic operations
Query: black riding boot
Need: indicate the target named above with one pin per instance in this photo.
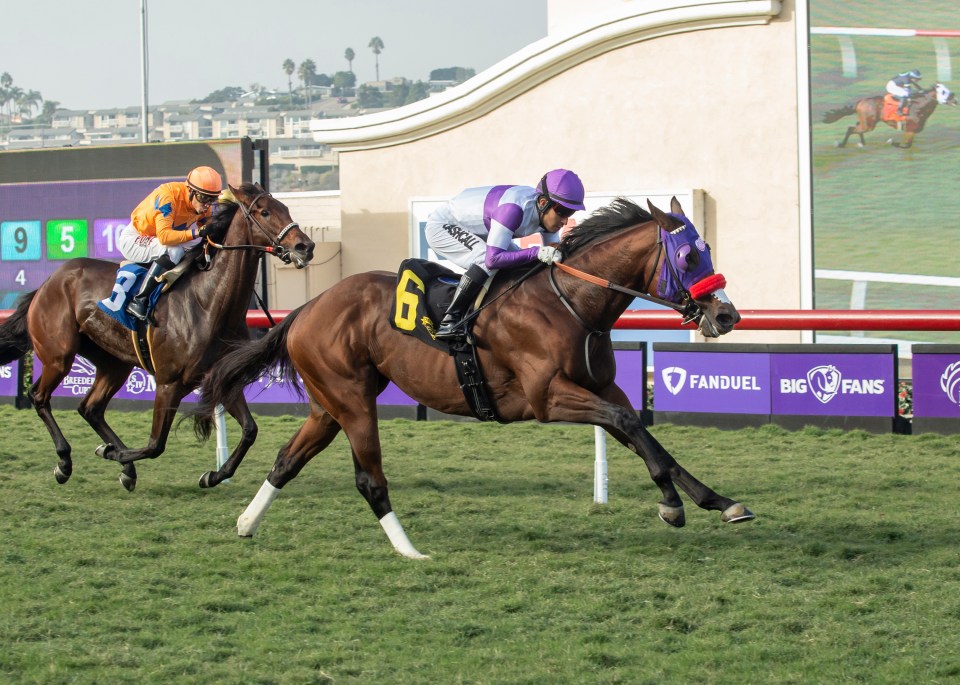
(138, 305)
(467, 291)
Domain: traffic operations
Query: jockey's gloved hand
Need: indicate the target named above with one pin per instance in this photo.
(201, 232)
(549, 254)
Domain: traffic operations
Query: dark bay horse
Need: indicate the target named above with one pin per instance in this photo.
(193, 323)
(543, 345)
(869, 113)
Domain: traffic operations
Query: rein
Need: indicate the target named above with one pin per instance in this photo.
(687, 307)
(276, 249)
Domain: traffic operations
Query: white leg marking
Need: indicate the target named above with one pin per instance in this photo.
(250, 519)
(398, 537)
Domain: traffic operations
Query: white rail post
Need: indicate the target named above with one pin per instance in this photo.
(222, 452)
(600, 466)
(848, 55)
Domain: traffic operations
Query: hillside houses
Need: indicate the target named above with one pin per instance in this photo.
(166, 122)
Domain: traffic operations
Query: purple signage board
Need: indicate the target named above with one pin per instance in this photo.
(8, 379)
(731, 386)
(270, 388)
(833, 384)
(273, 389)
(936, 383)
(631, 359)
(712, 382)
(44, 224)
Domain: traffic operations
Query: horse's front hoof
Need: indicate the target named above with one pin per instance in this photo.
(61, 475)
(206, 480)
(106, 451)
(672, 516)
(736, 513)
(129, 484)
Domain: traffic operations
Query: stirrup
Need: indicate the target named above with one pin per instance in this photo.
(137, 311)
(454, 331)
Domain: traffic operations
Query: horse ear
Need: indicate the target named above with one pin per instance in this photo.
(675, 206)
(662, 219)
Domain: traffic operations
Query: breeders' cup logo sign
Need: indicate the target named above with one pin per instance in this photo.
(950, 382)
(140, 382)
(80, 378)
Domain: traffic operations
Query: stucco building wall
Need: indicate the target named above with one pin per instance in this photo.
(713, 108)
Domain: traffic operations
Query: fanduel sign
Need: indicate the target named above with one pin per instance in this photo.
(715, 382)
(770, 382)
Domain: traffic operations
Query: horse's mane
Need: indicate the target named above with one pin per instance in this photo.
(224, 212)
(621, 213)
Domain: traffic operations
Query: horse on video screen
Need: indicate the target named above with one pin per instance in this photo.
(542, 342)
(870, 111)
(191, 327)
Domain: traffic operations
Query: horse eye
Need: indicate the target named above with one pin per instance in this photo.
(264, 213)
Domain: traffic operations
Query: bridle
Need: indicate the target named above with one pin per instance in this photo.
(276, 249)
(688, 307)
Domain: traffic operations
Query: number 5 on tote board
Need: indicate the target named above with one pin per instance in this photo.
(66, 238)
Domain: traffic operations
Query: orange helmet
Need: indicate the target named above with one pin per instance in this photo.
(205, 180)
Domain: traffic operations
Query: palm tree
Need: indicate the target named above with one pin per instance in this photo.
(6, 81)
(29, 101)
(288, 68)
(377, 46)
(349, 55)
(306, 72)
(14, 96)
(49, 109)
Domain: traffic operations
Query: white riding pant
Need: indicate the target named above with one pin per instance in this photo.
(461, 247)
(897, 91)
(145, 248)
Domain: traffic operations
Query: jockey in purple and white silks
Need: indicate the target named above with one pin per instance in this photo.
(475, 230)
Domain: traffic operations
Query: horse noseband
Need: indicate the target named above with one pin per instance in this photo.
(286, 229)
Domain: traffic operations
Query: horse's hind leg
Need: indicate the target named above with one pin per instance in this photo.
(40, 394)
(93, 409)
(850, 131)
(316, 433)
(248, 434)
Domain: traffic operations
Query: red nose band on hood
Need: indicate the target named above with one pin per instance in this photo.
(707, 285)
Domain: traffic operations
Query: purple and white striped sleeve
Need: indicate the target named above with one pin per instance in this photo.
(504, 220)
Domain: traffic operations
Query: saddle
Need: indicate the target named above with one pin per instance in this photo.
(129, 277)
(890, 107)
(424, 291)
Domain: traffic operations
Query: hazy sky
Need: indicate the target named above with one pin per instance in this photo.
(87, 55)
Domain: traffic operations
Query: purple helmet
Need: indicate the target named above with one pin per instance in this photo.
(563, 187)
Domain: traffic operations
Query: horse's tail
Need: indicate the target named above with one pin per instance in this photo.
(14, 338)
(835, 114)
(227, 378)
